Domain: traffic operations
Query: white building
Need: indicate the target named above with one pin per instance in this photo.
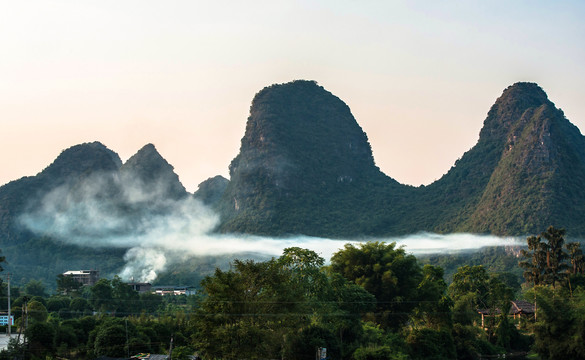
(86, 277)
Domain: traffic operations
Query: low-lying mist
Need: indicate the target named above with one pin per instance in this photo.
(159, 231)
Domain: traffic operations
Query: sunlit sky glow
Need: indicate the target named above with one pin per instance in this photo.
(419, 76)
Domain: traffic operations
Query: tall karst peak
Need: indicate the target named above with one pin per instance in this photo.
(523, 175)
(147, 160)
(511, 107)
(302, 149)
(301, 127)
(148, 169)
(537, 181)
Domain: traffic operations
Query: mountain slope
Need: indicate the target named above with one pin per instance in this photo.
(71, 165)
(55, 220)
(305, 166)
(152, 174)
(515, 180)
(539, 177)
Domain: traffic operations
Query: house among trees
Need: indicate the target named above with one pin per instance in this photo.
(518, 309)
(140, 287)
(173, 290)
(85, 277)
(522, 307)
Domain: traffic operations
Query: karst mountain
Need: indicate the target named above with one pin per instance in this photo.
(305, 166)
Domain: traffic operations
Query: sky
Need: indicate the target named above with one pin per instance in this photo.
(419, 76)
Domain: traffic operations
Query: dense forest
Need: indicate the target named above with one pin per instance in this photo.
(373, 301)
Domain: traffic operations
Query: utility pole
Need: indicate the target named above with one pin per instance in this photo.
(171, 349)
(127, 344)
(9, 315)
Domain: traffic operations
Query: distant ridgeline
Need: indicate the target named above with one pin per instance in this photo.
(305, 166)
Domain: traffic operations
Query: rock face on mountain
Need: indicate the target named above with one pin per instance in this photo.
(523, 175)
(71, 165)
(77, 196)
(150, 172)
(539, 177)
(305, 166)
(211, 190)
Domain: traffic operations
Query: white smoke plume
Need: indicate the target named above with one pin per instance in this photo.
(158, 231)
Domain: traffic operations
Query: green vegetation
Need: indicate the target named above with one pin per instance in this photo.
(305, 166)
(373, 301)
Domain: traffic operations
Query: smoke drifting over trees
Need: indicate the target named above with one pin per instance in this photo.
(102, 211)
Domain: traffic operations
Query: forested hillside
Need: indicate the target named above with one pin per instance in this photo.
(305, 166)
(374, 301)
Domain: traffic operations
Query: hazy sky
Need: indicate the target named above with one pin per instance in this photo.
(419, 76)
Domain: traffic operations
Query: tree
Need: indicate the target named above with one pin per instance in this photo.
(35, 288)
(149, 302)
(471, 282)
(340, 306)
(559, 332)
(555, 256)
(37, 312)
(125, 298)
(59, 304)
(304, 269)
(545, 259)
(101, 296)
(110, 340)
(431, 344)
(40, 336)
(499, 300)
(434, 310)
(469, 291)
(79, 305)
(247, 311)
(535, 263)
(388, 273)
(67, 285)
(576, 258)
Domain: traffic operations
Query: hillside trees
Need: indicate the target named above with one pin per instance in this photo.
(280, 307)
(473, 289)
(113, 296)
(67, 285)
(576, 258)
(545, 259)
(434, 310)
(246, 311)
(287, 307)
(559, 332)
(386, 272)
(558, 292)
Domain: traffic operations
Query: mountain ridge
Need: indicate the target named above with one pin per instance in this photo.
(306, 166)
(458, 201)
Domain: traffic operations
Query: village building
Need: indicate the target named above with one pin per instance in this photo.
(519, 309)
(85, 277)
